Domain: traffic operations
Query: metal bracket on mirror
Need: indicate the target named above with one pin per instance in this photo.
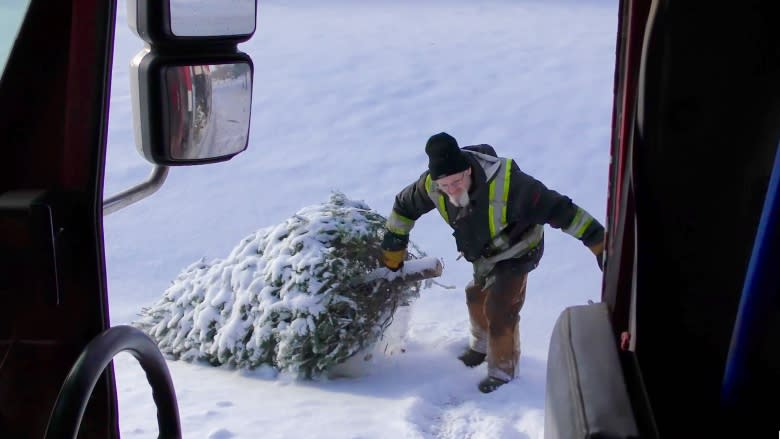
(136, 193)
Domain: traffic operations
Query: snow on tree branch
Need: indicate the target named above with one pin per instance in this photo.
(301, 296)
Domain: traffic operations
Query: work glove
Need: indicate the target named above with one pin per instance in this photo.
(394, 250)
(598, 250)
(393, 260)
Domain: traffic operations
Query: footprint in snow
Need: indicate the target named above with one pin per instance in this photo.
(221, 433)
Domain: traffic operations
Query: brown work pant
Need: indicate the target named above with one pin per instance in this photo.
(494, 314)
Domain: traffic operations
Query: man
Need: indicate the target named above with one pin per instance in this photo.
(498, 214)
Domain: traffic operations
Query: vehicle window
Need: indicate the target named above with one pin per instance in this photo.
(11, 17)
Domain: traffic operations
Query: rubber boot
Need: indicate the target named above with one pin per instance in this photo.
(490, 384)
(472, 358)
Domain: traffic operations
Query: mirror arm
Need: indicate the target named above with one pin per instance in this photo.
(136, 193)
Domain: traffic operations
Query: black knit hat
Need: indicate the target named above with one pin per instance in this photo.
(444, 156)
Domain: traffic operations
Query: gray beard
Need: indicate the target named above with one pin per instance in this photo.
(461, 201)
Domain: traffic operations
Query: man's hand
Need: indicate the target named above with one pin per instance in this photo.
(598, 251)
(394, 259)
(394, 250)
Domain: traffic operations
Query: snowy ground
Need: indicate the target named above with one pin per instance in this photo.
(346, 93)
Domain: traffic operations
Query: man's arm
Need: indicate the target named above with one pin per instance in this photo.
(410, 204)
(546, 206)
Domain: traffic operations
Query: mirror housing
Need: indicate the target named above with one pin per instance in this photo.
(164, 23)
(195, 110)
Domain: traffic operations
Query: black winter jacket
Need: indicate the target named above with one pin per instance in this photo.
(530, 203)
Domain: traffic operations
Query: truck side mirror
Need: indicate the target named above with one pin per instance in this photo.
(191, 111)
(191, 89)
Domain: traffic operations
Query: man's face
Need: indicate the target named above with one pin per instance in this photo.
(456, 186)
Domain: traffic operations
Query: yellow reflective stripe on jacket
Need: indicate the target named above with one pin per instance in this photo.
(438, 201)
(507, 175)
(399, 224)
(579, 224)
(498, 196)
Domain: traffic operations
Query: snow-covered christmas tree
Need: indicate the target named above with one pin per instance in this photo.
(297, 296)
